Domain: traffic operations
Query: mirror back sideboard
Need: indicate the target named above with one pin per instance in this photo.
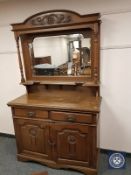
(56, 121)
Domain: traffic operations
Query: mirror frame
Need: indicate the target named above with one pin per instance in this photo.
(52, 23)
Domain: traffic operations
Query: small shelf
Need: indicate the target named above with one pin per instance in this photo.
(91, 84)
(85, 84)
(48, 83)
(57, 83)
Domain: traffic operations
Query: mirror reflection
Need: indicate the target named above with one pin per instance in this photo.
(63, 55)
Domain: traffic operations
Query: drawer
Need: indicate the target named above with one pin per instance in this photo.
(30, 113)
(72, 117)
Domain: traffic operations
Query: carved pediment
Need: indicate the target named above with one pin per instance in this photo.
(55, 18)
(51, 19)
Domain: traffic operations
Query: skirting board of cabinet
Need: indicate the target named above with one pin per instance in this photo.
(40, 173)
(7, 135)
(52, 164)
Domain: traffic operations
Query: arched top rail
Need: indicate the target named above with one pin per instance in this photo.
(54, 19)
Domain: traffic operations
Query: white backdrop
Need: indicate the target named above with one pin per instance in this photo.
(115, 63)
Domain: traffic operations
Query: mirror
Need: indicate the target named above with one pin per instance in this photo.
(63, 55)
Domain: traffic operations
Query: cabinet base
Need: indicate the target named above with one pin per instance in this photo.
(52, 164)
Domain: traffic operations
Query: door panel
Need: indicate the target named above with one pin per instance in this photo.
(72, 143)
(31, 136)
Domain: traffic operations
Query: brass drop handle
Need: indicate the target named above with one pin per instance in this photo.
(71, 118)
(31, 114)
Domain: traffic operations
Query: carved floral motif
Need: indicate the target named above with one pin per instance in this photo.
(51, 19)
(71, 139)
(33, 132)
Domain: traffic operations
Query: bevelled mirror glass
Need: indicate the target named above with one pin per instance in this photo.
(63, 55)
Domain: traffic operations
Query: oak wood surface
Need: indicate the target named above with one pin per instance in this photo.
(50, 100)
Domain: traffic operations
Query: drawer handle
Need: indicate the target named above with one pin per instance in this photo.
(71, 118)
(31, 114)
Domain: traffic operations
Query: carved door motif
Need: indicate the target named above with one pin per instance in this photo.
(32, 136)
(72, 144)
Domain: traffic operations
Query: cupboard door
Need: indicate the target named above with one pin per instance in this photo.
(31, 137)
(72, 144)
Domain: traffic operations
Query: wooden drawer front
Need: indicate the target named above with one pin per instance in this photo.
(72, 117)
(30, 113)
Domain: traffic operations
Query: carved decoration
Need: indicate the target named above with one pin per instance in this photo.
(20, 60)
(33, 132)
(95, 69)
(51, 19)
(71, 139)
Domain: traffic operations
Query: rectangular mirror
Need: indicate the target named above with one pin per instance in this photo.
(63, 55)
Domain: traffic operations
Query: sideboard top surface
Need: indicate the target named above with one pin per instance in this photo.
(53, 101)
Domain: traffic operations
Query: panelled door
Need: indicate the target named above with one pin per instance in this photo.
(71, 143)
(32, 136)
